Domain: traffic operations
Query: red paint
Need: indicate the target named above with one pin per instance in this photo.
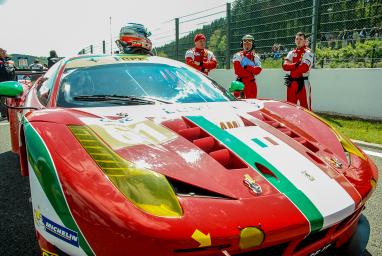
(112, 225)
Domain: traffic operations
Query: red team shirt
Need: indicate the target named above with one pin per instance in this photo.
(305, 57)
(201, 55)
(246, 74)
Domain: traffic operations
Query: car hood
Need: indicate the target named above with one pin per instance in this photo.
(228, 150)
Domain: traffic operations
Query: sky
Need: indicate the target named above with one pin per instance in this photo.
(37, 26)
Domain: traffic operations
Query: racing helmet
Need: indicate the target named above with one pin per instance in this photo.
(248, 37)
(134, 35)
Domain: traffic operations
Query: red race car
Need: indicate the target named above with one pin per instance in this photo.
(142, 155)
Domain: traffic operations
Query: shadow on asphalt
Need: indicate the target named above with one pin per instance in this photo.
(17, 236)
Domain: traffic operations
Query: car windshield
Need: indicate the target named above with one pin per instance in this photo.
(124, 83)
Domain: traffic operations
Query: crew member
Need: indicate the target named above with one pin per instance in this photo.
(297, 64)
(7, 73)
(247, 66)
(199, 57)
(36, 65)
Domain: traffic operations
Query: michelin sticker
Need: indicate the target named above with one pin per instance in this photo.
(56, 230)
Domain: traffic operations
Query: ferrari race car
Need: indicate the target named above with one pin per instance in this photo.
(142, 155)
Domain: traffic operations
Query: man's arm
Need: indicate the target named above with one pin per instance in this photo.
(239, 70)
(288, 65)
(190, 60)
(211, 64)
(256, 69)
(306, 63)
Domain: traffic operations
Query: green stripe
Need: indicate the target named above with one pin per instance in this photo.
(44, 169)
(260, 143)
(251, 157)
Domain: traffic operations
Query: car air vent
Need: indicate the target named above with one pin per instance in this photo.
(247, 122)
(210, 249)
(226, 158)
(310, 239)
(208, 144)
(310, 146)
(264, 170)
(315, 158)
(269, 120)
(191, 134)
(184, 189)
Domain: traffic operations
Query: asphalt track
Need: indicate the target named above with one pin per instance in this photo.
(16, 219)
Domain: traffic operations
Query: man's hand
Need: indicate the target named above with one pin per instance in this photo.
(246, 62)
(198, 63)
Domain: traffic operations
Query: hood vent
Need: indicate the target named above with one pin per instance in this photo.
(207, 143)
(269, 120)
(185, 189)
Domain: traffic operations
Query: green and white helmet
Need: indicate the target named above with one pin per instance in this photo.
(250, 37)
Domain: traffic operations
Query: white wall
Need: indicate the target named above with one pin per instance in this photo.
(356, 92)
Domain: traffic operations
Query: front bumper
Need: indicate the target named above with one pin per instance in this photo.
(349, 238)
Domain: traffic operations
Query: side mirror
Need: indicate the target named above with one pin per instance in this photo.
(10, 89)
(236, 86)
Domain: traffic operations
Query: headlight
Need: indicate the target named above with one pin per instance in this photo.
(373, 183)
(347, 145)
(251, 237)
(148, 190)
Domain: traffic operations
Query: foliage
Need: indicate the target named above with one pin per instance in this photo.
(277, 21)
(348, 57)
(162, 54)
(271, 63)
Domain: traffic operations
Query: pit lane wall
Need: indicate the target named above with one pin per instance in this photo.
(352, 92)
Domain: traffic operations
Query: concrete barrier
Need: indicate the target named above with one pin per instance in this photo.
(352, 92)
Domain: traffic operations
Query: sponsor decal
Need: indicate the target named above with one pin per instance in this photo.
(47, 253)
(203, 239)
(320, 250)
(334, 162)
(251, 183)
(265, 142)
(184, 109)
(260, 143)
(308, 176)
(123, 132)
(56, 230)
(132, 58)
(229, 125)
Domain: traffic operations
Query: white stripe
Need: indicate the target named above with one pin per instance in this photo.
(219, 109)
(4, 124)
(372, 153)
(62, 191)
(333, 202)
(41, 202)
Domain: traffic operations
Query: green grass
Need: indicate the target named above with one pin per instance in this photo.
(369, 131)
(271, 63)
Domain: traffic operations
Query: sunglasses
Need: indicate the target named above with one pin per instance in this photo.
(247, 41)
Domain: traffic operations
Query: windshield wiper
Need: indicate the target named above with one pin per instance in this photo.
(129, 99)
(155, 99)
